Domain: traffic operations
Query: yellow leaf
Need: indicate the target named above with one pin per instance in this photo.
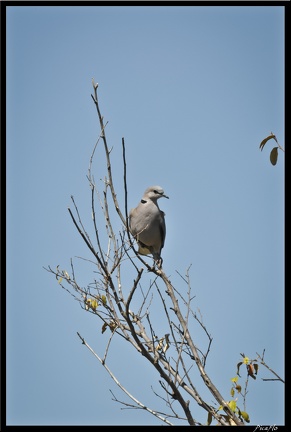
(94, 304)
(232, 392)
(274, 156)
(232, 405)
(246, 360)
(103, 298)
(60, 280)
(245, 416)
(235, 379)
(265, 140)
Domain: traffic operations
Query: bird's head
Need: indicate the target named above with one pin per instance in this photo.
(154, 193)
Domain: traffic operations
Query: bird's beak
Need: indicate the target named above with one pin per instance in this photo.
(165, 196)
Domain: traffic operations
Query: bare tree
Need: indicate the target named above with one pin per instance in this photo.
(122, 295)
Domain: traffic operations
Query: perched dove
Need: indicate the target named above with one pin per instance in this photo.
(147, 224)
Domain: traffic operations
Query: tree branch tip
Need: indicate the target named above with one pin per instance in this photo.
(94, 99)
(95, 85)
(82, 339)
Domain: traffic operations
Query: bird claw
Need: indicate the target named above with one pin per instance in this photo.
(159, 263)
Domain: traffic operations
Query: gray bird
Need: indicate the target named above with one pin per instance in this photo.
(147, 224)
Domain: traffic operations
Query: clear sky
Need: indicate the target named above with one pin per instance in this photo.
(193, 90)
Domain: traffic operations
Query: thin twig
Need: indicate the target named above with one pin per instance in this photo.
(120, 385)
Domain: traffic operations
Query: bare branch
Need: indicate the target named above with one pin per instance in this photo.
(120, 385)
(261, 358)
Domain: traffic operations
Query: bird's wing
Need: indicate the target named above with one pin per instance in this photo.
(162, 228)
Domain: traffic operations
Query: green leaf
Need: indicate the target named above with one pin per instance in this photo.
(274, 156)
(245, 416)
(265, 140)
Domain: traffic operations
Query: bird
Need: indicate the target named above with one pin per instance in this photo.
(147, 224)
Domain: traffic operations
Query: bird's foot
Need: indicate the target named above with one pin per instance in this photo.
(159, 263)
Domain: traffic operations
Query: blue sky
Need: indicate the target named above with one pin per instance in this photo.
(193, 90)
